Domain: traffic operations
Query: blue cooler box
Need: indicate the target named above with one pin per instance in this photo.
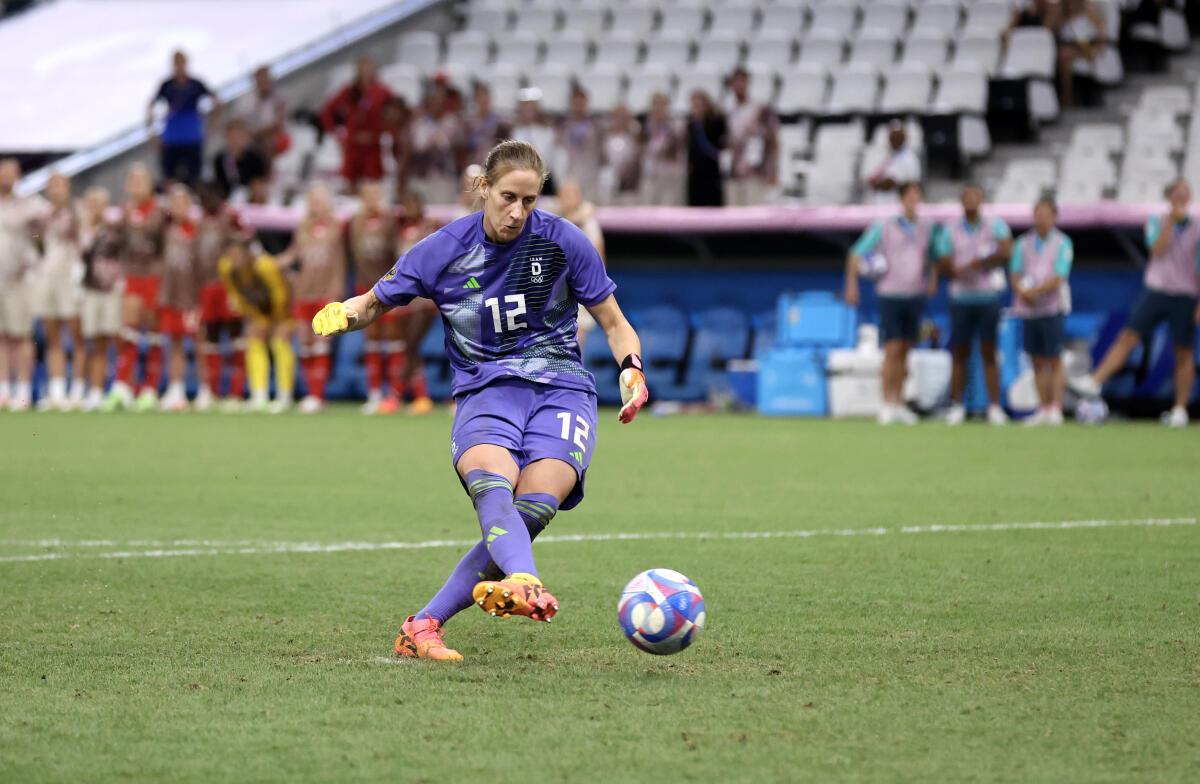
(791, 382)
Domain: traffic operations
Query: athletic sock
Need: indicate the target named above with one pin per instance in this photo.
(154, 365)
(536, 510)
(417, 385)
(316, 369)
(285, 368)
(373, 363)
(504, 531)
(126, 360)
(212, 365)
(258, 366)
(237, 371)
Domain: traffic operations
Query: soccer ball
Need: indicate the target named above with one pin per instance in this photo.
(661, 611)
(1093, 411)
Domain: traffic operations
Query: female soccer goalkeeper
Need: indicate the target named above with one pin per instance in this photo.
(508, 281)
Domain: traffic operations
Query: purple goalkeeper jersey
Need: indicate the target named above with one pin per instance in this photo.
(509, 309)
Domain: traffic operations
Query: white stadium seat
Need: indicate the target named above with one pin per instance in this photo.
(1166, 98)
(982, 49)
(633, 19)
(802, 89)
(875, 46)
(555, 84)
(644, 83)
(492, 20)
(928, 46)
(519, 48)
(988, 16)
(505, 81)
(962, 90)
(1105, 137)
(669, 48)
(719, 49)
(764, 80)
(1088, 164)
(618, 48)
(776, 48)
(422, 49)
(942, 15)
(468, 48)
(606, 87)
(736, 17)
(404, 80)
(782, 19)
(855, 89)
(885, 16)
(822, 47)
(587, 19)
(1082, 190)
(537, 17)
(1031, 52)
(683, 19)
(568, 48)
(906, 90)
(837, 18)
(1041, 172)
(698, 77)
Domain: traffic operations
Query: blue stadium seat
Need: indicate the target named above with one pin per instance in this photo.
(664, 334)
(721, 334)
(598, 360)
(816, 320)
(764, 332)
(347, 377)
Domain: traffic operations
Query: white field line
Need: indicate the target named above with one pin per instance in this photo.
(181, 548)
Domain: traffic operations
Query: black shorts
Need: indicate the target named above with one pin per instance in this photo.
(971, 319)
(900, 318)
(182, 162)
(1044, 336)
(1154, 307)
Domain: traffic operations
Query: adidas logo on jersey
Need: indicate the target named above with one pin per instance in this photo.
(578, 457)
(471, 284)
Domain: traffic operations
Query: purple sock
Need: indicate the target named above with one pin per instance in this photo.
(504, 532)
(537, 509)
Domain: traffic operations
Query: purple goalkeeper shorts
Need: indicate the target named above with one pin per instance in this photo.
(532, 421)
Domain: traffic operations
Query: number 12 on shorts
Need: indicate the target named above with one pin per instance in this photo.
(582, 429)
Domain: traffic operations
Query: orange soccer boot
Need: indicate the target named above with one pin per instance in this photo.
(422, 639)
(517, 594)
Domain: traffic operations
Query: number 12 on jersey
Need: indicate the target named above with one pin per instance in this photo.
(582, 429)
(511, 314)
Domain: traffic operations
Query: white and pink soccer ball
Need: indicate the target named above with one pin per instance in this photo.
(661, 611)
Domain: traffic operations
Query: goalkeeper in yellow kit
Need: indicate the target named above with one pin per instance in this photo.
(257, 286)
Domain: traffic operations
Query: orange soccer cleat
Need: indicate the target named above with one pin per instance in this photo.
(422, 639)
(517, 594)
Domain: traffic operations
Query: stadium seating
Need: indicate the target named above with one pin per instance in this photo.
(721, 335)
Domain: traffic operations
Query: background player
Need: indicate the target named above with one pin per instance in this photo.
(257, 287)
(59, 293)
(373, 239)
(142, 223)
(216, 227)
(1041, 263)
(16, 316)
(317, 259)
(973, 252)
(408, 370)
(906, 241)
(180, 292)
(507, 281)
(103, 288)
(1172, 284)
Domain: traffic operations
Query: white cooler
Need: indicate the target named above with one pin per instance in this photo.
(855, 376)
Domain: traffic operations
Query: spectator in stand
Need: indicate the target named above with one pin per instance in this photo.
(142, 222)
(1172, 284)
(266, 116)
(1035, 13)
(622, 157)
(437, 143)
(217, 227)
(663, 153)
(398, 119)
(580, 141)
(374, 244)
(533, 127)
(181, 145)
(906, 241)
(356, 115)
(180, 293)
(901, 166)
(17, 259)
(1080, 37)
(485, 128)
(707, 137)
(103, 280)
(239, 164)
(1040, 266)
(754, 144)
(317, 261)
(58, 290)
(972, 253)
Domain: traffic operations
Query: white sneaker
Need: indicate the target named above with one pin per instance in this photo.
(310, 405)
(887, 416)
(996, 415)
(147, 400)
(279, 407)
(231, 405)
(1037, 419)
(19, 403)
(956, 415)
(1054, 417)
(905, 416)
(75, 398)
(45, 403)
(1176, 417)
(174, 400)
(1084, 386)
(204, 399)
(92, 401)
(374, 397)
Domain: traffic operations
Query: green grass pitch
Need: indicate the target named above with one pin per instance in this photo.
(1001, 654)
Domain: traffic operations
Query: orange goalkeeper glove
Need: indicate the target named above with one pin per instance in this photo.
(633, 388)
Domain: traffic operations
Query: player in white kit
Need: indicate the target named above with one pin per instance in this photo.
(58, 292)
